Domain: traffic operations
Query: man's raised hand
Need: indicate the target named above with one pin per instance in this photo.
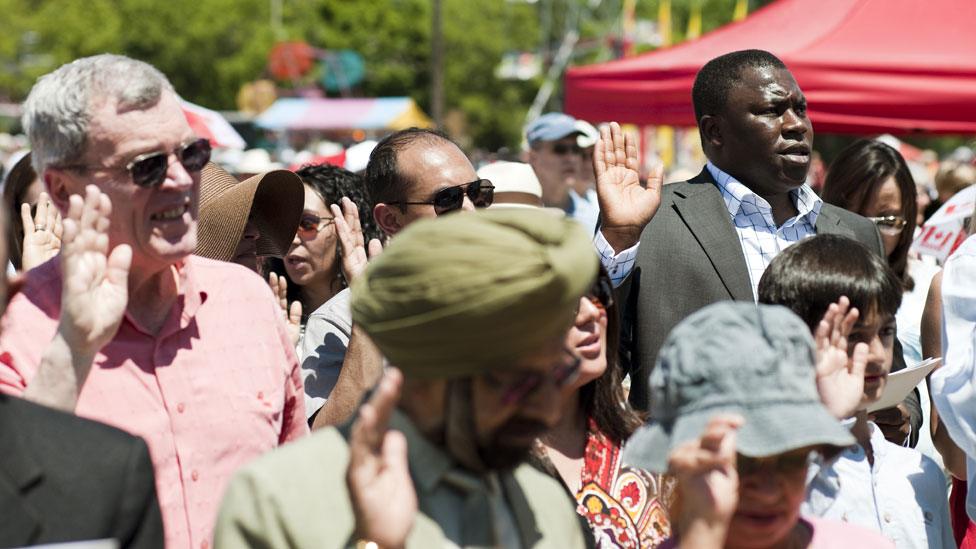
(356, 253)
(95, 278)
(380, 488)
(626, 206)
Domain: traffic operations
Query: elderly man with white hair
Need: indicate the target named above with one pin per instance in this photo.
(131, 329)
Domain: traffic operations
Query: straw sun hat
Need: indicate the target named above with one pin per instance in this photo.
(275, 198)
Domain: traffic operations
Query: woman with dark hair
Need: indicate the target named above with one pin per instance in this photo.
(312, 265)
(317, 271)
(36, 237)
(624, 506)
(872, 179)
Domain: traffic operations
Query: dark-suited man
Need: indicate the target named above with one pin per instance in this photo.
(713, 236)
(64, 478)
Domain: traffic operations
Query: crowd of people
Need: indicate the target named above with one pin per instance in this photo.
(556, 353)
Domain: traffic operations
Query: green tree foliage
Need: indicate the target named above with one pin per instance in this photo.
(209, 48)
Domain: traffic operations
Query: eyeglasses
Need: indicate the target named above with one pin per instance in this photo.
(516, 391)
(785, 463)
(561, 149)
(481, 193)
(149, 170)
(310, 225)
(891, 225)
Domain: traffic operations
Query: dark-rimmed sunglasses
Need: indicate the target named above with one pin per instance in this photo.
(561, 149)
(149, 170)
(481, 193)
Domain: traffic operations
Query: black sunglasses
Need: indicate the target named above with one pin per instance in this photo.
(481, 193)
(565, 148)
(149, 170)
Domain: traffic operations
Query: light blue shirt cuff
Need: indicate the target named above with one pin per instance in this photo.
(618, 265)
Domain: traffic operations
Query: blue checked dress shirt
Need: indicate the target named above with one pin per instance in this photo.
(752, 217)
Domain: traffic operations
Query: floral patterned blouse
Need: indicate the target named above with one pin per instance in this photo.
(624, 506)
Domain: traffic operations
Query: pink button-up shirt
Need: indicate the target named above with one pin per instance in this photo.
(218, 385)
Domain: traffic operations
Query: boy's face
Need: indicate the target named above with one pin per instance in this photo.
(878, 331)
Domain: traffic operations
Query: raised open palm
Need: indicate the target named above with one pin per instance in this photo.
(840, 378)
(95, 279)
(42, 232)
(708, 482)
(626, 206)
(382, 492)
(356, 252)
(291, 312)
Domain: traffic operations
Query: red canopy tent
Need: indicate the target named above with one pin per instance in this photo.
(866, 66)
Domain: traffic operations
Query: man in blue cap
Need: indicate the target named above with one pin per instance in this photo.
(557, 159)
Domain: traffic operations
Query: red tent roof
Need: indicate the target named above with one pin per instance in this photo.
(866, 66)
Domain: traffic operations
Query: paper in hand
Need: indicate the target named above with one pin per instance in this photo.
(902, 382)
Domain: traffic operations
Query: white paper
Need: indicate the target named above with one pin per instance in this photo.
(902, 382)
(90, 544)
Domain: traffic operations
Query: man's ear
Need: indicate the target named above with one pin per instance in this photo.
(711, 130)
(388, 218)
(60, 186)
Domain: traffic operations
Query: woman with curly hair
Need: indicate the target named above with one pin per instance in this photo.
(312, 266)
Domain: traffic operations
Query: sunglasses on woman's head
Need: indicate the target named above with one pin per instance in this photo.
(149, 170)
(481, 193)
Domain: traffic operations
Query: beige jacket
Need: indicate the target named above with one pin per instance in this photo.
(296, 497)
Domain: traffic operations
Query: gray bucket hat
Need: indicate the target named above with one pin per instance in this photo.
(756, 361)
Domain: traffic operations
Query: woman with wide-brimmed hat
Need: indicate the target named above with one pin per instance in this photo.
(246, 221)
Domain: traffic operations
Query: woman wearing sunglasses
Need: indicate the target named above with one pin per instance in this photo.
(312, 266)
(623, 506)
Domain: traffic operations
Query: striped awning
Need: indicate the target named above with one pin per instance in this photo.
(386, 113)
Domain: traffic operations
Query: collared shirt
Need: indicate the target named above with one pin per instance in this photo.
(902, 495)
(297, 497)
(584, 208)
(954, 384)
(751, 215)
(218, 385)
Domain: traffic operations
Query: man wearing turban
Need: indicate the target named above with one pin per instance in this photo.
(474, 310)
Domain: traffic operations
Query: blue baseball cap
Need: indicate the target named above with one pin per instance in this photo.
(550, 127)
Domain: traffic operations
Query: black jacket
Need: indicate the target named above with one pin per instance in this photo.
(64, 478)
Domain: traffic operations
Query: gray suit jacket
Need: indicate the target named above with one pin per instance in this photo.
(690, 256)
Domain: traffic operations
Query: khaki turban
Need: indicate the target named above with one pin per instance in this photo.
(462, 294)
